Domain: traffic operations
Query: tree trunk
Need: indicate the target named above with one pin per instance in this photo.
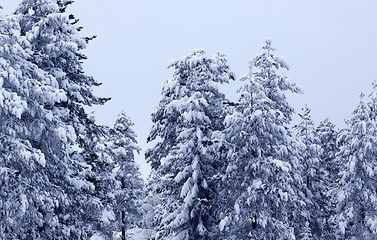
(123, 225)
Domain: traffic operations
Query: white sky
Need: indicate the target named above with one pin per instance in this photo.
(331, 47)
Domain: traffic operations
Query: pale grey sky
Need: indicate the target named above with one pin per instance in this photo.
(331, 47)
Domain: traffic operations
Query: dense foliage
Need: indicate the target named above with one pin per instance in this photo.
(220, 169)
(56, 182)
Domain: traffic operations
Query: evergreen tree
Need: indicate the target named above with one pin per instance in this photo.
(119, 183)
(313, 186)
(262, 173)
(189, 111)
(328, 175)
(30, 198)
(356, 214)
(51, 39)
(327, 135)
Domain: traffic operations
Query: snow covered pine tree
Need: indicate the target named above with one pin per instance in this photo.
(29, 142)
(262, 174)
(189, 111)
(328, 174)
(118, 184)
(129, 189)
(313, 186)
(63, 131)
(356, 213)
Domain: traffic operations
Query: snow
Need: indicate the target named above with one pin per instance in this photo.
(352, 165)
(24, 203)
(62, 134)
(25, 154)
(183, 235)
(373, 199)
(74, 148)
(61, 96)
(204, 183)
(195, 116)
(138, 234)
(283, 195)
(189, 200)
(4, 170)
(228, 120)
(180, 218)
(257, 184)
(195, 164)
(342, 227)
(97, 236)
(49, 116)
(186, 187)
(40, 157)
(257, 114)
(31, 11)
(180, 176)
(174, 105)
(372, 223)
(78, 96)
(237, 208)
(262, 221)
(107, 216)
(166, 160)
(201, 229)
(199, 134)
(223, 223)
(350, 213)
(195, 175)
(282, 62)
(341, 196)
(79, 184)
(71, 133)
(282, 165)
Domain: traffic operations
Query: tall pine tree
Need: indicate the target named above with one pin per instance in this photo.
(30, 197)
(356, 214)
(313, 187)
(262, 174)
(50, 36)
(190, 110)
(328, 174)
(118, 184)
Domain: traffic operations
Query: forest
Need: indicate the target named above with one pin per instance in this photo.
(221, 169)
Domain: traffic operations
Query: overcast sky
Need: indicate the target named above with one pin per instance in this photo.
(331, 47)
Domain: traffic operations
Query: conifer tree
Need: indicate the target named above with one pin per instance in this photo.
(119, 183)
(356, 215)
(262, 172)
(29, 198)
(189, 111)
(313, 187)
(328, 175)
(327, 135)
(50, 36)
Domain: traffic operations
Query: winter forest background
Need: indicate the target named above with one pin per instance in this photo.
(230, 157)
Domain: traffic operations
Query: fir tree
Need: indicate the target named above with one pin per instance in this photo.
(189, 111)
(262, 172)
(328, 175)
(327, 135)
(356, 215)
(51, 37)
(313, 187)
(122, 182)
(30, 199)
(117, 178)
